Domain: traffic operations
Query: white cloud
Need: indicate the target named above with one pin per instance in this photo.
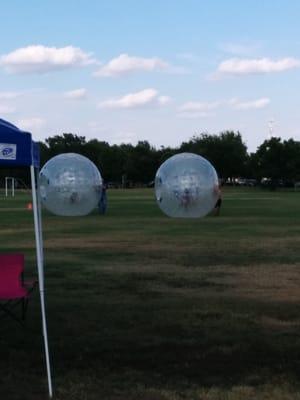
(248, 105)
(190, 57)
(195, 109)
(245, 49)
(196, 114)
(124, 64)
(111, 135)
(34, 123)
(42, 59)
(135, 100)
(193, 106)
(239, 66)
(123, 137)
(162, 100)
(4, 109)
(77, 94)
(9, 95)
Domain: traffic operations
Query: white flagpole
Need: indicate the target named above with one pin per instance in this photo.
(37, 228)
(40, 217)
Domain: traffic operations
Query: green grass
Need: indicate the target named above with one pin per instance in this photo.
(141, 306)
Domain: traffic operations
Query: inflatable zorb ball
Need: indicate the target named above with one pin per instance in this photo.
(186, 186)
(70, 185)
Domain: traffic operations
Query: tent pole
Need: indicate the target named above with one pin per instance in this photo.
(40, 217)
(37, 227)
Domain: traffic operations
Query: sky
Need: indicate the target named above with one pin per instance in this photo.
(157, 70)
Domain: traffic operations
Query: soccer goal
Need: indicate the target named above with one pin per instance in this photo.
(10, 184)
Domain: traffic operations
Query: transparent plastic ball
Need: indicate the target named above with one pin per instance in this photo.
(70, 185)
(186, 186)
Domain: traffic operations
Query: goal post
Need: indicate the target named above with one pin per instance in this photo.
(9, 179)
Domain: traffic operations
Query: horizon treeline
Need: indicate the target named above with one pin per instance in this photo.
(275, 159)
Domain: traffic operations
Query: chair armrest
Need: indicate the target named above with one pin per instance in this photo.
(30, 284)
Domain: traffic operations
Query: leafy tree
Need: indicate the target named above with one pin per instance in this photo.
(279, 160)
(226, 152)
(274, 159)
(292, 160)
(141, 164)
(66, 143)
(270, 159)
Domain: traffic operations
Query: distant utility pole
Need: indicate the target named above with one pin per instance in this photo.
(271, 128)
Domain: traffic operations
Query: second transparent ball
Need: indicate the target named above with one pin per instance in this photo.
(186, 186)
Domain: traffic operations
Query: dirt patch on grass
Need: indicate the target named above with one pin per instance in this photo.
(136, 242)
(117, 244)
(12, 209)
(267, 283)
(14, 231)
(279, 324)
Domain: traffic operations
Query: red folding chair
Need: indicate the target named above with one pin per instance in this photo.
(14, 290)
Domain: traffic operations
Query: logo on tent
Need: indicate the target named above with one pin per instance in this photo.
(8, 151)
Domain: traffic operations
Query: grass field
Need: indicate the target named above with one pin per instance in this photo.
(141, 306)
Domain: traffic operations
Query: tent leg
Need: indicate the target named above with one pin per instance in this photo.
(39, 206)
(38, 238)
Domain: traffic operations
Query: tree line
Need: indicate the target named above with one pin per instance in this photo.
(126, 164)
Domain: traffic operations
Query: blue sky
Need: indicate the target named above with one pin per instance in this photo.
(162, 71)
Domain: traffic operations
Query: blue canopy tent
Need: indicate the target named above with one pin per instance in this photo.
(18, 149)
